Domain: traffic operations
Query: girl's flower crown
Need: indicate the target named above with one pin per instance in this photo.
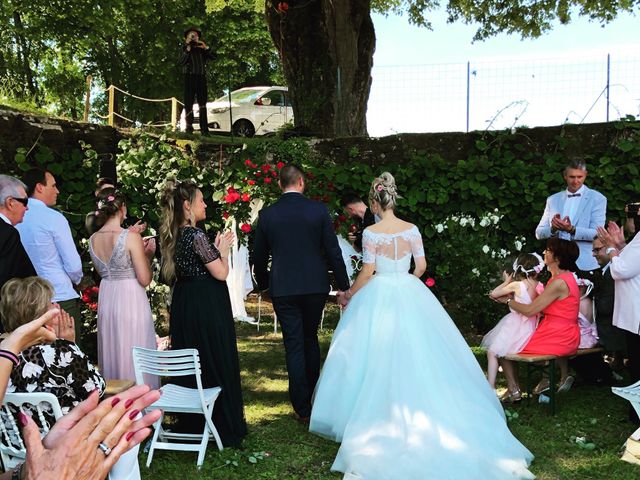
(536, 268)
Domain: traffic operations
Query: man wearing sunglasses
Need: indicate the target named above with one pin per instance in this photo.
(14, 261)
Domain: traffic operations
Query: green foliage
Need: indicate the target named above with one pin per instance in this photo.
(133, 44)
(475, 213)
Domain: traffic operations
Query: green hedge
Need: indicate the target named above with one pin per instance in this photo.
(474, 212)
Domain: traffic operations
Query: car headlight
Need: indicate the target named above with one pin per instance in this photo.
(220, 110)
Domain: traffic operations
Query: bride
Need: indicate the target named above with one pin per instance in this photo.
(400, 388)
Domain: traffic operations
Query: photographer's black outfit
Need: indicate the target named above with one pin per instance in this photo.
(193, 63)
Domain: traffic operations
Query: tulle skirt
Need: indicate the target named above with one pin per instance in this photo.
(510, 335)
(403, 392)
(124, 322)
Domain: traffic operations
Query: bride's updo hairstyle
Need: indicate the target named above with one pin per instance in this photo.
(383, 190)
(174, 193)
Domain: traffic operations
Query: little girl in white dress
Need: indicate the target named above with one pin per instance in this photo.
(512, 333)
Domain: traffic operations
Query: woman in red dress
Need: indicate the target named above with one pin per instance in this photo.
(558, 332)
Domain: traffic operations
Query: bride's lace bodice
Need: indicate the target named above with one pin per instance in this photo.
(391, 252)
(119, 265)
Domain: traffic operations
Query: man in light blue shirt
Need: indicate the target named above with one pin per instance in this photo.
(46, 236)
(574, 214)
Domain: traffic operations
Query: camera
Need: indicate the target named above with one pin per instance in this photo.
(632, 210)
(192, 39)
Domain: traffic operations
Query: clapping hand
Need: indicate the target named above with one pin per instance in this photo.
(612, 236)
(138, 227)
(40, 330)
(149, 244)
(224, 241)
(66, 326)
(563, 224)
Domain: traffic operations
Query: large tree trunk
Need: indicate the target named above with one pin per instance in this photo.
(23, 44)
(326, 48)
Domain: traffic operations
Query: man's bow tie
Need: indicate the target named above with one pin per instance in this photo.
(571, 195)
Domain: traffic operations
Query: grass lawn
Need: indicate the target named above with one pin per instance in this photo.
(278, 447)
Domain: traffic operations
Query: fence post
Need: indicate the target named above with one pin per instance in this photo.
(468, 89)
(87, 100)
(112, 102)
(174, 113)
(608, 82)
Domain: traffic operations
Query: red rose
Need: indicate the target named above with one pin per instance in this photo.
(225, 215)
(251, 182)
(266, 167)
(267, 179)
(246, 197)
(258, 174)
(325, 198)
(283, 7)
(342, 218)
(274, 173)
(232, 197)
(279, 165)
(330, 187)
(248, 162)
(245, 227)
(429, 282)
(231, 190)
(353, 228)
(93, 306)
(95, 289)
(310, 176)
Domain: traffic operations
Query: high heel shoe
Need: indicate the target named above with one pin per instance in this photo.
(511, 397)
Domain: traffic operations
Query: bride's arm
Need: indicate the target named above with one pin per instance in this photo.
(368, 269)
(421, 266)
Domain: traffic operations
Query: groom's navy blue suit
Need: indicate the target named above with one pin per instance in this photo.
(298, 236)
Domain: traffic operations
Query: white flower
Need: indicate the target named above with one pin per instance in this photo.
(463, 222)
(476, 272)
(504, 253)
(65, 359)
(518, 245)
(31, 370)
(484, 221)
(439, 228)
(48, 354)
(486, 249)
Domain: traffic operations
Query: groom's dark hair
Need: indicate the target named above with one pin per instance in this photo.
(350, 198)
(289, 175)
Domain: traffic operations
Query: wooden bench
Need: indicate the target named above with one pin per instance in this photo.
(540, 363)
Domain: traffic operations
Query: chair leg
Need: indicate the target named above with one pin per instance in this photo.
(322, 318)
(203, 445)
(275, 323)
(157, 428)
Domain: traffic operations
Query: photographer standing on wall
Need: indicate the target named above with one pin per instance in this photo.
(195, 54)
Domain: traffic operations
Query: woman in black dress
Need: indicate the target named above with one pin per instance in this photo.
(201, 316)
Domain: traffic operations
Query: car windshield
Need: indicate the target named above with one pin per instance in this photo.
(243, 96)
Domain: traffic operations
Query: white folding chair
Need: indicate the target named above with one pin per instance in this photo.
(177, 399)
(631, 393)
(12, 449)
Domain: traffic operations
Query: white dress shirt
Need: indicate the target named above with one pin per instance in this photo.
(570, 209)
(625, 270)
(5, 219)
(46, 236)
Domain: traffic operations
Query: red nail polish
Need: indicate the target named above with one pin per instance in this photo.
(22, 419)
(115, 401)
(129, 435)
(134, 414)
(128, 403)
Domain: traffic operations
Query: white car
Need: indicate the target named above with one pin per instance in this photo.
(250, 111)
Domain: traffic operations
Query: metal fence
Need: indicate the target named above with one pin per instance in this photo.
(503, 94)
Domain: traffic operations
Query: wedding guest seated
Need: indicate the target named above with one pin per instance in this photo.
(58, 367)
(558, 332)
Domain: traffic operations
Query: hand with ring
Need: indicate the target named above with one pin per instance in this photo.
(89, 440)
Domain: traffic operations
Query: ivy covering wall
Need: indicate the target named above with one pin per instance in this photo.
(476, 207)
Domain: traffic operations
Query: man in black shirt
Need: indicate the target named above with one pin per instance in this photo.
(356, 209)
(195, 54)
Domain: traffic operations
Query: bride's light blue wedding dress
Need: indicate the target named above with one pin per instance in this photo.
(400, 388)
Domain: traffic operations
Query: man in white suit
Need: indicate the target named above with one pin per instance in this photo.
(574, 214)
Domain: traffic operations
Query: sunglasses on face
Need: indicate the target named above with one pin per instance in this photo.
(23, 201)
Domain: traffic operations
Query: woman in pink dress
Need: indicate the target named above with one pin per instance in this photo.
(558, 332)
(121, 257)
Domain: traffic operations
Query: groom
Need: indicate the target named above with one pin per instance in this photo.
(298, 235)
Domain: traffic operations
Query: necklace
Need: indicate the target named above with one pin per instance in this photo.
(110, 231)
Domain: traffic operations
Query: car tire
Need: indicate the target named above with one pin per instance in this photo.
(243, 128)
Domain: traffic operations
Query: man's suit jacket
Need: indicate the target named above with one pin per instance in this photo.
(298, 235)
(14, 261)
(590, 214)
